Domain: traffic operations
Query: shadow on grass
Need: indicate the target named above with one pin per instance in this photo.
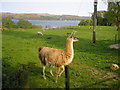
(102, 82)
(18, 78)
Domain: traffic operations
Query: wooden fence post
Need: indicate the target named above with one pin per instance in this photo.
(67, 83)
(116, 38)
(95, 21)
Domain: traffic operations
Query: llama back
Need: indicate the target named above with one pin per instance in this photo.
(52, 56)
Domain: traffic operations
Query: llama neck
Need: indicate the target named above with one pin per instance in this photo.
(69, 47)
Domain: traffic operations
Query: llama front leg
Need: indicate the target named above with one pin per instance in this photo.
(58, 71)
(50, 66)
(63, 69)
(43, 71)
(51, 72)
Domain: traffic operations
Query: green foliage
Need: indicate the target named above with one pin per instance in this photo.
(100, 21)
(17, 78)
(90, 67)
(110, 17)
(86, 23)
(113, 13)
(8, 23)
(24, 24)
(101, 18)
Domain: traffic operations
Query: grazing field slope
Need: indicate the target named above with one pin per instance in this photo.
(90, 67)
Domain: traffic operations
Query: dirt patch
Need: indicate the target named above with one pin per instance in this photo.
(112, 75)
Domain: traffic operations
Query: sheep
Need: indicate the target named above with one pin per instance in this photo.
(114, 67)
(39, 33)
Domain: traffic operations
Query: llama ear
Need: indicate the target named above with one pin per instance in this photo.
(72, 33)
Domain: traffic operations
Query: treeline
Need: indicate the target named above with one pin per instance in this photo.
(102, 20)
(8, 23)
(106, 18)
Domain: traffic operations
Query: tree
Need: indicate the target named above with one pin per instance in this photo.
(99, 21)
(113, 14)
(24, 24)
(82, 22)
(101, 18)
(8, 23)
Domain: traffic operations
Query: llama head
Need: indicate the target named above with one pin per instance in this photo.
(72, 37)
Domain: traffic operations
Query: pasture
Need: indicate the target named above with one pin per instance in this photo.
(90, 67)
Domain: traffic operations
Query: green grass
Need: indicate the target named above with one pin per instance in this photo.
(90, 67)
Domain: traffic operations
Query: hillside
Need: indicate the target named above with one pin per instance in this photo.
(43, 16)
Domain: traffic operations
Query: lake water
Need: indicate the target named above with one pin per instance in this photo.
(52, 23)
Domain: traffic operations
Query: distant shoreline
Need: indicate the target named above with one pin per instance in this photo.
(52, 23)
(29, 16)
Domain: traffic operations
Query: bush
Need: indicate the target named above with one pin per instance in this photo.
(8, 23)
(24, 24)
(86, 23)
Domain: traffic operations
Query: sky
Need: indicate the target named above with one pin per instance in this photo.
(57, 7)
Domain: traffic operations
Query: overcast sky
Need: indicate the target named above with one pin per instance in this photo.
(58, 7)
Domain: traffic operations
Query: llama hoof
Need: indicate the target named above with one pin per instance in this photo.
(59, 75)
(52, 75)
(55, 81)
(44, 77)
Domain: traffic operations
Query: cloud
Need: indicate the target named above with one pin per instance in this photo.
(81, 8)
(46, 0)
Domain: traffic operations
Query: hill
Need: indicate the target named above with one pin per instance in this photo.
(42, 16)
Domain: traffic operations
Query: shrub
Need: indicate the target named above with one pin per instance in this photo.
(24, 24)
(8, 23)
(86, 23)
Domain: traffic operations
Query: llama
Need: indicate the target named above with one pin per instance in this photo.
(57, 57)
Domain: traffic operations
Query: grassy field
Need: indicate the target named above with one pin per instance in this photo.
(90, 67)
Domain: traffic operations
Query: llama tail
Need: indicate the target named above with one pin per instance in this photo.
(42, 59)
(40, 48)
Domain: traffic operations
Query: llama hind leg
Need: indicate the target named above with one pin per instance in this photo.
(50, 66)
(63, 69)
(43, 71)
(51, 72)
(58, 71)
